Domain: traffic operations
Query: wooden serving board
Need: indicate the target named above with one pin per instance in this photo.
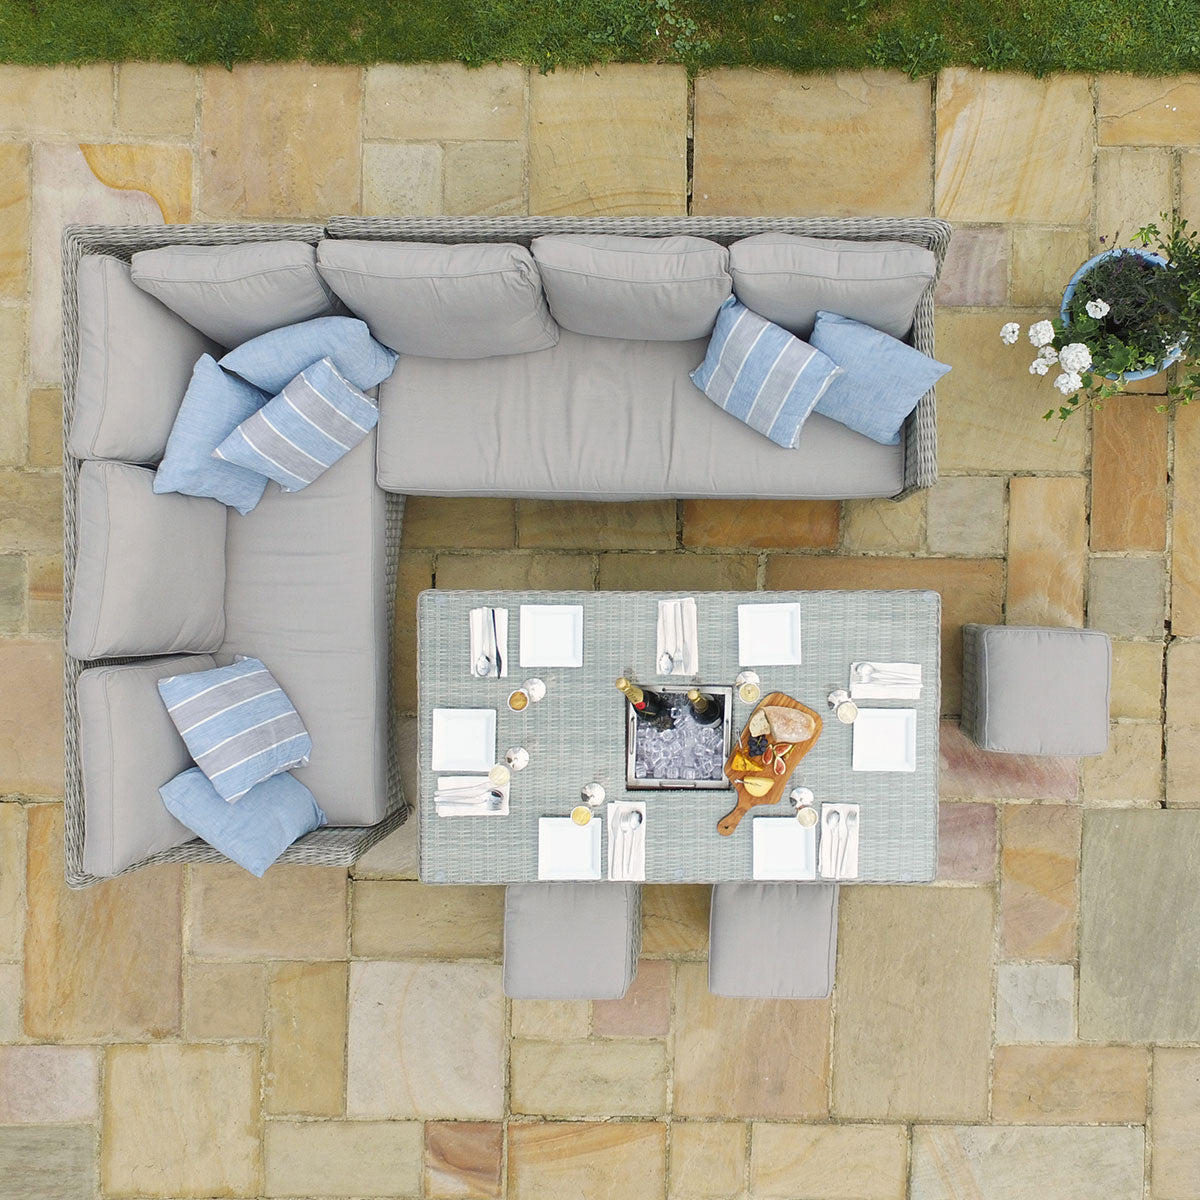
(729, 822)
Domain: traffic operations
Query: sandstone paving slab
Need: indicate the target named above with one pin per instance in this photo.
(45, 425)
(557, 1019)
(1137, 681)
(157, 99)
(425, 1040)
(401, 180)
(975, 431)
(1185, 525)
(459, 522)
(57, 101)
(1174, 1128)
(1130, 772)
(1039, 862)
(398, 919)
(1035, 1002)
(12, 881)
(31, 511)
(966, 842)
(438, 102)
(677, 572)
(782, 1065)
(1183, 683)
(829, 1162)
(11, 981)
(12, 593)
(1131, 183)
(1042, 260)
(181, 1120)
(644, 1010)
(675, 919)
(296, 912)
(602, 1161)
(305, 1060)
(517, 570)
(897, 526)
(163, 172)
(1006, 1163)
(103, 963)
(975, 272)
(464, 1159)
(970, 591)
(1148, 110)
(775, 143)
(1047, 550)
(708, 1159)
(279, 140)
(44, 604)
(485, 179)
(1127, 596)
(13, 412)
(1183, 766)
(595, 525)
(1139, 906)
(342, 1158)
(393, 858)
(966, 515)
(1068, 1085)
(15, 200)
(919, 1047)
(1013, 148)
(224, 1000)
(608, 140)
(597, 1079)
(771, 524)
(49, 1084)
(49, 1162)
(1189, 187)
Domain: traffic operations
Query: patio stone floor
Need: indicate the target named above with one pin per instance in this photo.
(1026, 1029)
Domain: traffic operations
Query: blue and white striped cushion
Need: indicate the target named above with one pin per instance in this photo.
(237, 724)
(319, 416)
(761, 374)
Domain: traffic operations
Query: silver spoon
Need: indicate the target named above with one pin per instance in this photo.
(831, 830)
(483, 665)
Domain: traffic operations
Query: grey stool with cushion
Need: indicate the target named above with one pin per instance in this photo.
(772, 940)
(1033, 690)
(571, 941)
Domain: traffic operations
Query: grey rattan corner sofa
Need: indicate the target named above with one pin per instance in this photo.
(337, 654)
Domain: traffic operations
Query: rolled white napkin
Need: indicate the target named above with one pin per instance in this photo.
(678, 636)
(486, 640)
(839, 841)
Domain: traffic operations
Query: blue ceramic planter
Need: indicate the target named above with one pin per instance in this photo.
(1148, 256)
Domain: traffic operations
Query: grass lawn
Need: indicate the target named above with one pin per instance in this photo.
(1038, 36)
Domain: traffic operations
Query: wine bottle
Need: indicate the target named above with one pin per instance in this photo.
(705, 710)
(650, 706)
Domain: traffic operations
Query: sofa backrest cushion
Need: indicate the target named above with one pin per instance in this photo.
(788, 279)
(471, 300)
(233, 293)
(150, 570)
(664, 289)
(135, 358)
(128, 748)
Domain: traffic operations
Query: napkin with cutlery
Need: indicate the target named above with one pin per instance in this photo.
(839, 841)
(677, 652)
(489, 643)
(469, 796)
(626, 845)
(885, 681)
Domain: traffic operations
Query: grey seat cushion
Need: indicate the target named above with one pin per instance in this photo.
(1035, 690)
(603, 419)
(787, 279)
(772, 940)
(306, 592)
(128, 748)
(135, 360)
(667, 289)
(150, 570)
(571, 941)
(233, 293)
(471, 300)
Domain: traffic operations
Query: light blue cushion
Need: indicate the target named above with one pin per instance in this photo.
(761, 374)
(270, 360)
(215, 404)
(237, 724)
(303, 431)
(882, 378)
(256, 830)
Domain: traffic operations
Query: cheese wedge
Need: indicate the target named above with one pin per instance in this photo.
(757, 786)
(789, 724)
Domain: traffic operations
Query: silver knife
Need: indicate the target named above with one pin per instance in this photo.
(496, 645)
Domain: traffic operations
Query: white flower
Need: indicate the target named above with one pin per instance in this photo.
(1039, 366)
(1041, 334)
(1097, 308)
(1010, 332)
(1068, 383)
(1048, 354)
(1075, 358)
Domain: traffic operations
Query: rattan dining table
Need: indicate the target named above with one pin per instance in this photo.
(576, 734)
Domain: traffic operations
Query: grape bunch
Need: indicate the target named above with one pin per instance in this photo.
(757, 745)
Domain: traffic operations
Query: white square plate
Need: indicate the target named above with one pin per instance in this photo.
(784, 849)
(567, 850)
(768, 635)
(552, 635)
(885, 739)
(464, 739)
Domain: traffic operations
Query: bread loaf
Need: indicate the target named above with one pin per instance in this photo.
(789, 724)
